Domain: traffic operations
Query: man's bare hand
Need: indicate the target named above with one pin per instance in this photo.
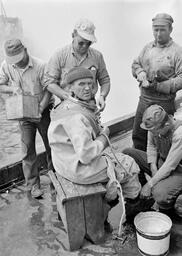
(146, 191)
(101, 103)
(105, 130)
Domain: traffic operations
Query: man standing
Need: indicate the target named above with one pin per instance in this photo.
(21, 73)
(78, 54)
(158, 69)
(163, 160)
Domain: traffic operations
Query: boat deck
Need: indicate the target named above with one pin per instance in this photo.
(30, 227)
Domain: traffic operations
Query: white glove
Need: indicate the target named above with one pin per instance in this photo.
(142, 78)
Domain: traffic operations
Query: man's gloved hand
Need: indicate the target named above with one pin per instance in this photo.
(166, 87)
(142, 76)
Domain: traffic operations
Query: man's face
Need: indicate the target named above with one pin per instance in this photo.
(82, 88)
(162, 33)
(81, 45)
(24, 62)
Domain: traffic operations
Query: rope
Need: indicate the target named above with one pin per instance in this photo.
(112, 150)
(118, 185)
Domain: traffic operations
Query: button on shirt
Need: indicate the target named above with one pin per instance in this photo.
(155, 61)
(30, 79)
(65, 59)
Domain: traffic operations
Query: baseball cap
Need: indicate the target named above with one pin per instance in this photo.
(153, 117)
(14, 51)
(86, 29)
(162, 19)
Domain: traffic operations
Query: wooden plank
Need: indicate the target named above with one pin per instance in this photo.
(72, 215)
(87, 190)
(73, 190)
(94, 218)
(67, 186)
(58, 188)
(121, 124)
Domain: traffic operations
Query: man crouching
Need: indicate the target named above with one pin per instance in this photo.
(163, 159)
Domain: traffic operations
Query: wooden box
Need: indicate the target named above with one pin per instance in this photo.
(82, 209)
(19, 107)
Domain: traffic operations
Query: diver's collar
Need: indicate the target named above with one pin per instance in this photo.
(90, 105)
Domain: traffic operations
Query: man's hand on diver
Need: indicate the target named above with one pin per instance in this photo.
(101, 103)
(105, 130)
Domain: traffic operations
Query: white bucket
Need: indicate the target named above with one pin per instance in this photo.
(153, 233)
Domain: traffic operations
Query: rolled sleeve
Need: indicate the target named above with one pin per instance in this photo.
(53, 69)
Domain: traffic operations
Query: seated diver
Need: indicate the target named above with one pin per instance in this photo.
(78, 141)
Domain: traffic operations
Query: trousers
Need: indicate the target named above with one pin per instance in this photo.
(28, 135)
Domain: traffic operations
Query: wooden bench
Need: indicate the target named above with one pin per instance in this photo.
(82, 209)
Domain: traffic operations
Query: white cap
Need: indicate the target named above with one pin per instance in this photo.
(85, 29)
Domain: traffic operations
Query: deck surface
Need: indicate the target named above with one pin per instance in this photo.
(30, 227)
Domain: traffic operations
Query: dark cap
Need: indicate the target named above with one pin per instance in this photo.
(153, 117)
(78, 73)
(14, 50)
(162, 19)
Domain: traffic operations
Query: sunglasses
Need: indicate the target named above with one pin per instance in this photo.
(82, 43)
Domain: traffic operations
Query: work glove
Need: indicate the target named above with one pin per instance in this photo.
(166, 87)
(142, 78)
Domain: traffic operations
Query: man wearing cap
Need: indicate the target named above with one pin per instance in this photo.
(163, 160)
(78, 141)
(78, 54)
(21, 73)
(158, 69)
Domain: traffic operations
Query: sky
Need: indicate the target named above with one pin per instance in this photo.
(123, 27)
